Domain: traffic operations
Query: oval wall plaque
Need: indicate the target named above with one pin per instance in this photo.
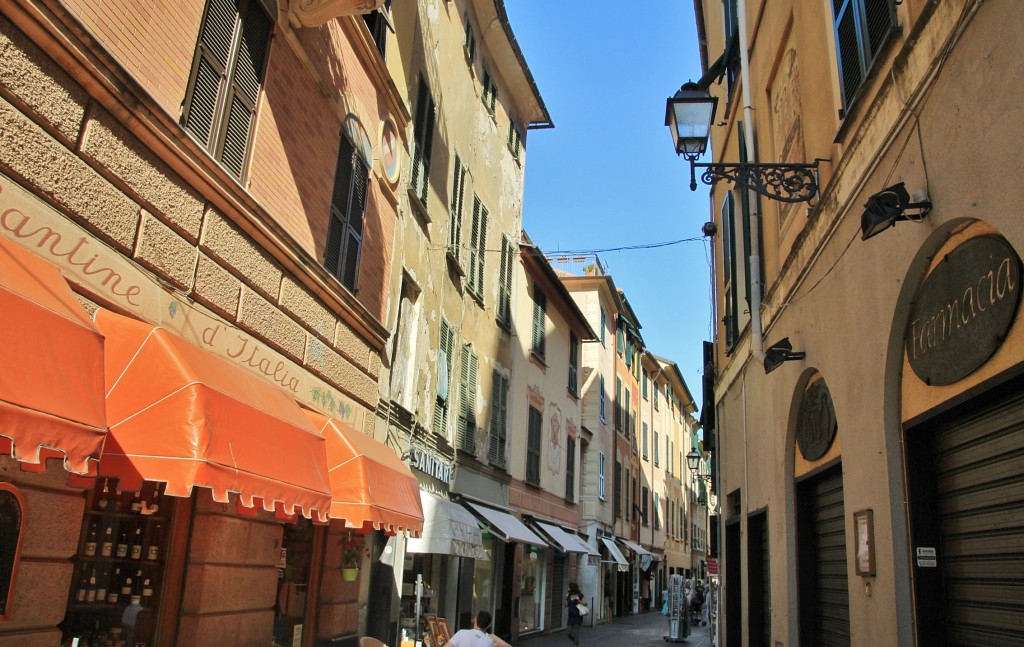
(816, 425)
(963, 310)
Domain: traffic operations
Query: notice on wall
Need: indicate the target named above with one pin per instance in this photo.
(926, 557)
(297, 636)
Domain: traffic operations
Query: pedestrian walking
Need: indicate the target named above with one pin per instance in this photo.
(577, 609)
(477, 636)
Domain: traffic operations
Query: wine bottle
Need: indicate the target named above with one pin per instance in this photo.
(104, 496)
(107, 547)
(137, 544)
(122, 542)
(112, 586)
(83, 588)
(153, 550)
(136, 504)
(147, 590)
(126, 590)
(90, 542)
(90, 594)
(101, 586)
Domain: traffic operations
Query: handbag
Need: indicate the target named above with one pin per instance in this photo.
(582, 609)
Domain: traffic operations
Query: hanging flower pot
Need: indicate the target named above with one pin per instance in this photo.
(353, 550)
(349, 574)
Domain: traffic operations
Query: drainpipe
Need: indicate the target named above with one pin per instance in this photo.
(756, 333)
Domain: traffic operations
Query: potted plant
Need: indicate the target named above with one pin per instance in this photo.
(353, 549)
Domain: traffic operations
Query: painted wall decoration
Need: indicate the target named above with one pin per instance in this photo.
(390, 151)
(554, 416)
(355, 131)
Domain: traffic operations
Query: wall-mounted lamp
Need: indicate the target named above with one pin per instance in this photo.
(689, 115)
(889, 206)
(709, 229)
(693, 460)
(779, 352)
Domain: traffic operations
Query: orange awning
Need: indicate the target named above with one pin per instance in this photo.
(51, 384)
(370, 485)
(185, 417)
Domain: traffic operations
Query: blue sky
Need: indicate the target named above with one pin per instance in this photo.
(606, 176)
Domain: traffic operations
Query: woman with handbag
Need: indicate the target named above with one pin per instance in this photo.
(577, 609)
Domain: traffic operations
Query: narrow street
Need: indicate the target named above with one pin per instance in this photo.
(644, 630)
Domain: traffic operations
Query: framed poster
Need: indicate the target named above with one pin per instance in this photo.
(439, 631)
(864, 529)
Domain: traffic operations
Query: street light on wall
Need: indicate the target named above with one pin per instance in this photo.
(693, 461)
(689, 115)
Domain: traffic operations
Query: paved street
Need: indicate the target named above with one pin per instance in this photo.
(645, 630)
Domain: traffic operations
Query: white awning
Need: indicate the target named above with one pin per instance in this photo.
(616, 554)
(636, 548)
(507, 527)
(568, 541)
(448, 529)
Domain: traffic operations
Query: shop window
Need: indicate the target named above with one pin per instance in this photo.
(12, 508)
(293, 569)
(119, 567)
(532, 592)
(227, 75)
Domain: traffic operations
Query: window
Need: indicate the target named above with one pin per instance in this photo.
(861, 28)
(669, 526)
(505, 283)
(604, 324)
(470, 43)
(657, 388)
(570, 469)
(226, 78)
(644, 494)
(618, 489)
(515, 139)
(490, 92)
(657, 513)
(348, 206)
(600, 475)
(645, 377)
(377, 23)
(574, 363)
(539, 306)
(466, 424)
(629, 489)
(499, 420)
(629, 352)
(645, 441)
(618, 403)
(668, 454)
(729, 287)
(533, 447)
(423, 139)
(444, 372)
(619, 337)
(627, 414)
(477, 244)
(455, 213)
(601, 400)
(655, 445)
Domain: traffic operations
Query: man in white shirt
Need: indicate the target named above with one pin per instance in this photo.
(475, 637)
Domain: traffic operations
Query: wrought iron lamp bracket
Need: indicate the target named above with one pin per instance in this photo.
(781, 182)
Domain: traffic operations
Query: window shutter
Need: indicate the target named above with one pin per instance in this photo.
(505, 282)
(423, 134)
(881, 19)
(474, 237)
(499, 418)
(455, 222)
(573, 361)
(539, 304)
(244, 88)
(601, 403)
(210, 75)
(348, 204)
(533, 447)
(481, 251)
(466, 424)
(444, 377)
(570, 469)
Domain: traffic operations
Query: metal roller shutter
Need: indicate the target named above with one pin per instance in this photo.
(557, 592)
(824, 592)
(979, 461)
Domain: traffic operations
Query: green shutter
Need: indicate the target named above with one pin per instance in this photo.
(466, 424)
(445, 346)
(505, 282)
(499, 419)
(455, 216)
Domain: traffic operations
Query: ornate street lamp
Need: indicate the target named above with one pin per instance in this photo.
(690, 113)
(693, 461)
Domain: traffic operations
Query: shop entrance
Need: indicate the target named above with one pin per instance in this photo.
(821, 546)
(965, 472)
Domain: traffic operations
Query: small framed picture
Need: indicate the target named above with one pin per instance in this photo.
(864, 528)
(441, 632)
